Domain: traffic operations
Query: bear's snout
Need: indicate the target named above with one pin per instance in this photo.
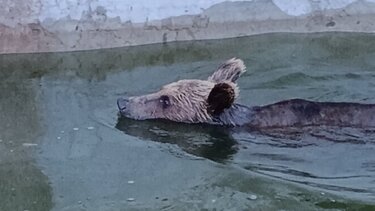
(122, 103)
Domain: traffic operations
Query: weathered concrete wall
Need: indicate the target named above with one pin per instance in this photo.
(68, 25)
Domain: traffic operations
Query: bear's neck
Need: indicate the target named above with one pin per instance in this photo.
(236, 115)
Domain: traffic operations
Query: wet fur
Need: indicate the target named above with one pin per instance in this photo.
(213, 101)
(221, 97)
(188, 98)
(299, 112)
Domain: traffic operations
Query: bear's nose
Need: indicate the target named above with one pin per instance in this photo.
(122, 103)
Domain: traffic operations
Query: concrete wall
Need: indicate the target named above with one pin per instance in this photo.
(68, 25)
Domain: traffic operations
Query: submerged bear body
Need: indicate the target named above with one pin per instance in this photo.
(299, 112)
(212, 101)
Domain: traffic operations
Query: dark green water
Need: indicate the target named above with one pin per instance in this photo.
(62, 146)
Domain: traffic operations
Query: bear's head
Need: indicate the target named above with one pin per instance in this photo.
(189, 101)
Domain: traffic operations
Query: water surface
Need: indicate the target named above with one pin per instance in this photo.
(63, 146)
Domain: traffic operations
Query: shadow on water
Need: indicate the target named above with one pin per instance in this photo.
(23, 186)
(207, 141)
(97, 64)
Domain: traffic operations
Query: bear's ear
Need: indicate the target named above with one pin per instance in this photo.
(221, 97)
(229, 71)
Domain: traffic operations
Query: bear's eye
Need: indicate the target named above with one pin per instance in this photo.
(164, 100)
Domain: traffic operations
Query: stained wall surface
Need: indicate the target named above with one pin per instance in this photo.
(68, 25)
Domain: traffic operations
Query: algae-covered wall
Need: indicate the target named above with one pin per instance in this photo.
(68, 25)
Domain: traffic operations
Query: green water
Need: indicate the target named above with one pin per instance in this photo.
(63, 147)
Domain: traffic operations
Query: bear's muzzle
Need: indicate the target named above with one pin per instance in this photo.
(122, 104)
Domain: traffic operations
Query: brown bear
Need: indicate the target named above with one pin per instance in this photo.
(213, 101)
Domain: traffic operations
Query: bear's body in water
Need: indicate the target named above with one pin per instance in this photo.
(212, 101)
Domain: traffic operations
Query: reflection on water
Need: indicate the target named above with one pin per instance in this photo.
(212, 142)
(63, 145)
